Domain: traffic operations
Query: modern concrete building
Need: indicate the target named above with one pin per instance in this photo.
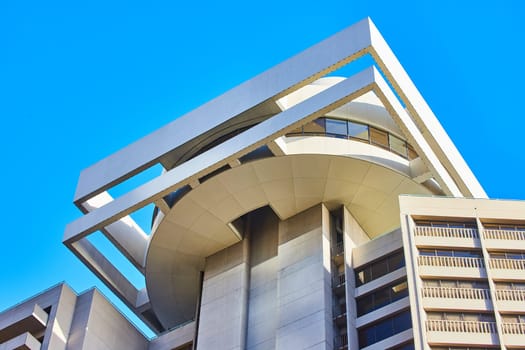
(295, 211)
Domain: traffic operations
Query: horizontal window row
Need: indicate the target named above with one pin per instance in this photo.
(446, 224)
(437, 228)
(508, 255)
(513, 318)
(460, 232)
(442, 283)
(469, 224)
(505, 227)
(471, 258)
(347, 129)
(450, 253)
(379, 268)
(382, 297)
(510, 286)
(460, 348)
(384, 329)
(461, 316)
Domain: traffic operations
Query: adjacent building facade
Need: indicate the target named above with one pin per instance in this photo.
(296, 211)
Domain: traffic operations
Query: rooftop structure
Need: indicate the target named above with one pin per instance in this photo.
(298, 211)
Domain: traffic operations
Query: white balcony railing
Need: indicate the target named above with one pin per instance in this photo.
(450, 261)
(456, 293)
(510, 294)
(513, 328)
(504, 234)
(507, 264)
(450, 232)
(461, 326)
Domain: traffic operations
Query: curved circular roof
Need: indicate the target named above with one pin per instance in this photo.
(197, 225)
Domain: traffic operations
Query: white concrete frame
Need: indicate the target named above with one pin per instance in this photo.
(480, 210)
(419, 124)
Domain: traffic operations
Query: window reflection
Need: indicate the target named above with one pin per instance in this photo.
(347, 129)
(386, 295)
(379, 138)
(384, 329)
(336, 127)
(398, 146)
(358, 131)
(317, 127)
(379, 268)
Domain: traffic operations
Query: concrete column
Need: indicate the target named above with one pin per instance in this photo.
(354, 236)
(61, 317)
(223, 312)
(304, 282)
(262, 312)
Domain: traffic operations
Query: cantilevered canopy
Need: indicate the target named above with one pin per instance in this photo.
(197, 225)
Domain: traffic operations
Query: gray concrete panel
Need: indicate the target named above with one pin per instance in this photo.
(223, 309)
(99, 326)
(221, 312)
(262, 314)
(304, 290)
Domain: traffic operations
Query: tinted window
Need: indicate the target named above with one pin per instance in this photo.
(336, 127)
(379, 137)
(384, 296)
(316, 127)
(402, 322)
(398, 146)
(396, 261)
(379, 268)
(384, 329)
(358, 131)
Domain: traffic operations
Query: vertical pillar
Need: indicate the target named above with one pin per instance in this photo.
(57, 332)
(223, 312)
(262, 302)
(304, 282)
(415, 284)
(492, 285)
(354, 236)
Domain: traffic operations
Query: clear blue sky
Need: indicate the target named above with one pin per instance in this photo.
(80, 80)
